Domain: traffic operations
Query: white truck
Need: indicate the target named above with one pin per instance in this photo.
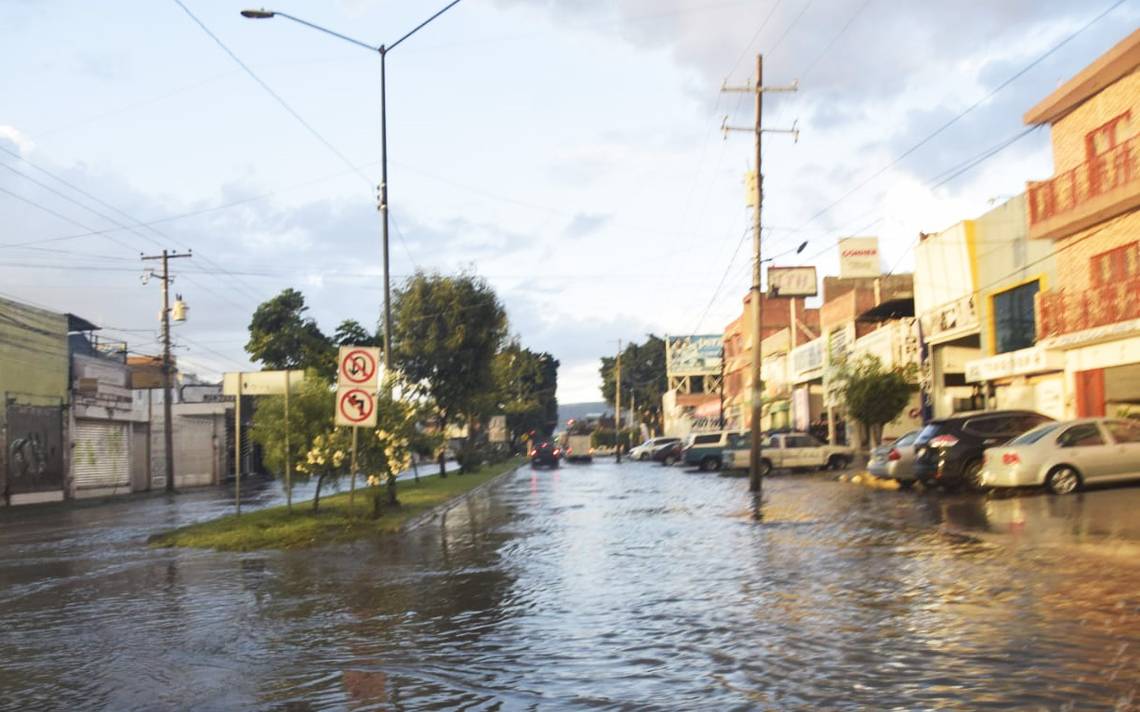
(789, 451)
(576, 448)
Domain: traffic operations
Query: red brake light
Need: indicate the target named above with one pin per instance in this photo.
(894, 455)
(943, 441)
(556, 451)
(533, 453)
(1010, 458)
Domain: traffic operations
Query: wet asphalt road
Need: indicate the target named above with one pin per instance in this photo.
(592, 586)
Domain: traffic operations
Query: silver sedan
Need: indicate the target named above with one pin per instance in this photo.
(895, 461)
(1066, 456)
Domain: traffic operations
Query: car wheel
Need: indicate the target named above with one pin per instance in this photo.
(765, 467)
(1063, 480)
(905, 484)
(709, 464)
(670, 461)
(837, 462)
(972, 475)
(642, 457)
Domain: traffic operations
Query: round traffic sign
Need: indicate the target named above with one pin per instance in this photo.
(356, 405)
(358, 366)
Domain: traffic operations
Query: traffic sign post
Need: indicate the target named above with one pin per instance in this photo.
(357, 377)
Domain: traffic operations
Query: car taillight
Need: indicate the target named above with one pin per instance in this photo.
(533, 453)
(943, 441)
(557, 451)
(894, 455)
(1010, 458)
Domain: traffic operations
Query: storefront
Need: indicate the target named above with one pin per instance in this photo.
(1028, 379)
(807, 366)
(1102, 370)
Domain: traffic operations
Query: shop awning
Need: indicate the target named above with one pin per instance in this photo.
(890, 309)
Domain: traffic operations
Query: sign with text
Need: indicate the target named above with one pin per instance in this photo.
(694, 355)
(358, 366)
(792, 282)
(261, 383)
(355, 407)
(859, 257)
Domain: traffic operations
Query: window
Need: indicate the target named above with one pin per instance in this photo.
(706, 440)
(1034, 435)
(1121, 264)
(1124, 431)
(1081, 435)
(801, 441)
(986, 427)
(1014, 324)
(907, 439)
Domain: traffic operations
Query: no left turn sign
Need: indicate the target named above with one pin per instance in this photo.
(355, 407)
(358, 366)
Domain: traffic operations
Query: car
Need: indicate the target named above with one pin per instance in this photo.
(645, 450)
(895, 461)
(577, 448)
(1066, 456)
(789, 451)
(544, 452)
(949, 451)
(706, 450)
(668, 454)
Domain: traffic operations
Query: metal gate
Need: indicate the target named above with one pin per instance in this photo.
(101, 454)
(32, 459)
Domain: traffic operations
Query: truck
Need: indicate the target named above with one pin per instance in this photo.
(576, 447)
(790, 451)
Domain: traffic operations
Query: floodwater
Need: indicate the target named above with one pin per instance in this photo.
(591, 586)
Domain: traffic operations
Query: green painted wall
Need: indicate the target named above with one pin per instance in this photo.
(33, 355)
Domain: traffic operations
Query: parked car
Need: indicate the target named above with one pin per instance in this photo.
(544, 452)
(1066, 456)
(645, 450)
(895, 461)
(668, 454)
(706, 450)
(789, 451)
(577, 448)
(949, 451)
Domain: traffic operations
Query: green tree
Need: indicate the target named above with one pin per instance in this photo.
(446, 331)
(282, 337)
(873, 395)
(526, 383)
(351, 332)
(642, 376)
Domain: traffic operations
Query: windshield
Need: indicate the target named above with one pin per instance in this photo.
(1034, 435)
(928, 432)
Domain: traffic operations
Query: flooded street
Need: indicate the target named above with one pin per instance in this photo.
(592, 586)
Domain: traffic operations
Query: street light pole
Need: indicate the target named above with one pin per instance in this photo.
(382, 50)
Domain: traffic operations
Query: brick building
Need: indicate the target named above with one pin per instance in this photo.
(1088, 211)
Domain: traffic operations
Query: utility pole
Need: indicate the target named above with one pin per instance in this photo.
(722, 388)
(617, 406)
(168, 424)
(754, 463)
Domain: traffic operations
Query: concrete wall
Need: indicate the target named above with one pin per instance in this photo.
(944, 267)
(33, 355)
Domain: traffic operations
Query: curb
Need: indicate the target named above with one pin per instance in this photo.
(444, 507)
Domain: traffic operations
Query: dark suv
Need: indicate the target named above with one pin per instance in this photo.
(948, 451)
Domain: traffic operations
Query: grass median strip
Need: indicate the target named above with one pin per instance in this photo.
(277, 528)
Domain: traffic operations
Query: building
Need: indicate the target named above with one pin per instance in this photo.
(694, 368)
(34, 395)
(1014, 372)
(1087, 214)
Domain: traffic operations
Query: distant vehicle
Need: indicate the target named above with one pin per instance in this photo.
(645, 449)
(948, 451)
(706, 450)
(895, 461)
(790, 451)
(544, 452)
(668, 454)
(1066, 456)
(576, 448)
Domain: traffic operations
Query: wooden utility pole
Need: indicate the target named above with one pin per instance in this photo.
(167, 366)
(756, 390)
(617, 406)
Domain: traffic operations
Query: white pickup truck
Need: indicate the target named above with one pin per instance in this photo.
(789, 451)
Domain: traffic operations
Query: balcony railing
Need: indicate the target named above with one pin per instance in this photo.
(1060, 312)
(1088, 193)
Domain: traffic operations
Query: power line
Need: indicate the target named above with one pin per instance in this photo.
(788, 29)
(747, 47)
(827, 48)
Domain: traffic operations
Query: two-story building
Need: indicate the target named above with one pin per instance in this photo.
(1087, 214)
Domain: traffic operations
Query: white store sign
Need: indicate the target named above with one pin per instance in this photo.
(1014, 363)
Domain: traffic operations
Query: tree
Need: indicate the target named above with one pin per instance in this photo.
(351, 332)
(873, 395)
(526, 383)
(282, 337)
(445, 334)
(642, 375)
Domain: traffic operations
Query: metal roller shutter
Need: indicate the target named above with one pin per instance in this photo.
(101, 454)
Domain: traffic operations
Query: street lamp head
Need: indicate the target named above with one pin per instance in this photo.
(258, 14)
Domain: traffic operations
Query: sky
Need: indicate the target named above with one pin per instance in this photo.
(568, 151)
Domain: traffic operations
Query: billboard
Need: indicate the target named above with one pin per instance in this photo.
(693, 355)
(792, 282)
(859, 257)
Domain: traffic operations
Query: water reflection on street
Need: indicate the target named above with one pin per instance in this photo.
(592, 585)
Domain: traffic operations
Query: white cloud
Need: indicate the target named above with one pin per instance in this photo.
(24, 145)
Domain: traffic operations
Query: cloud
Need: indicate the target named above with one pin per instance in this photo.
(584, 224)
(19, 140)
